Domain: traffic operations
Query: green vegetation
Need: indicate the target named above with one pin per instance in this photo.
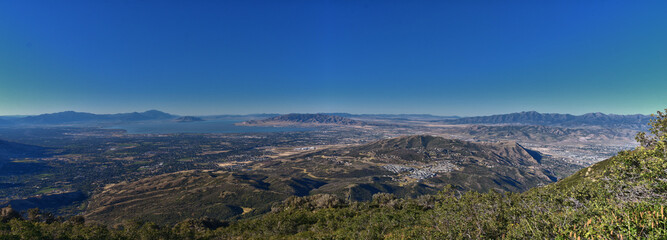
(623, 197)
(46, 190)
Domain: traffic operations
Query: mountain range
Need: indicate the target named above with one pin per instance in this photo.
(82, 117)
(556, 119)
(636, 121)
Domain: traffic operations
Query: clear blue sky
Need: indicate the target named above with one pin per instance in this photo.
(439, 57)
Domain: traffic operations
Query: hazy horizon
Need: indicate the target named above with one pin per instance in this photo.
(259, 113)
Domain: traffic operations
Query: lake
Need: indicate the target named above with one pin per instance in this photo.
(208, 126)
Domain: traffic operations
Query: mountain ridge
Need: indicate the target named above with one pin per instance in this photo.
(77, 117)
(558, 119)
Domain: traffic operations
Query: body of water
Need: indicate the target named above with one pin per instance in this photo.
(209, 126)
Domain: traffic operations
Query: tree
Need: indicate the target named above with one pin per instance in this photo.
(36, 215)
(658, 131)
(78, 219)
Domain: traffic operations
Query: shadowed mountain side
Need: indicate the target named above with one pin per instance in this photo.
(18, 151)
(49, 202)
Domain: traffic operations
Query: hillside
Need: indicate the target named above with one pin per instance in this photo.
(10, 150)
(303, 119)
(11, 155)
(170, 198)
(554, 119)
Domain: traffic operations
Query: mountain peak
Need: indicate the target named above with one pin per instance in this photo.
(425, 148)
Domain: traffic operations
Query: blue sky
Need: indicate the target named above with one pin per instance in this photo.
(439, 57)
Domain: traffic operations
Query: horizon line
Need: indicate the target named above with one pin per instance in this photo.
(278, 113)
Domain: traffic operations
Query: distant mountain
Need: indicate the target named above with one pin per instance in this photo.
(147, 115)
(189, 119)
(80, 117)
(556, 119)
(303, 119)
(542, 133)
